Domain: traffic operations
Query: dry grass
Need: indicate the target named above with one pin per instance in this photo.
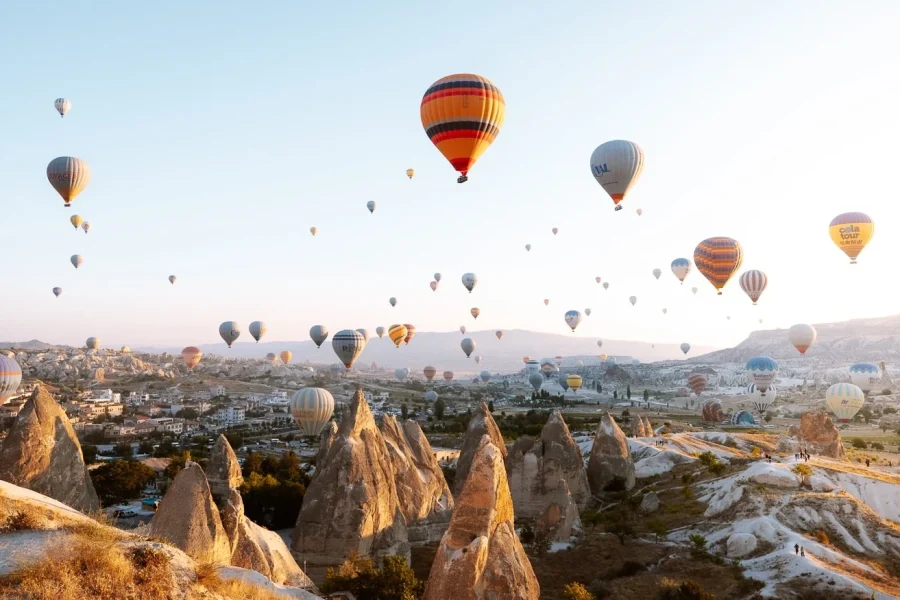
(22, 515)
(208, 576)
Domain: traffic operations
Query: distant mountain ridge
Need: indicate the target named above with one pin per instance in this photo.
(32, 345)
(857, 340)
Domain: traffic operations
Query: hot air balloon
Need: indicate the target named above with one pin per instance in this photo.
(718, 258)
(348, 345)
(62, 106)
(68, 176)
(172, 279)
(312, 409)
(313, 230)
(92, 343)
(685, 347)
(617, 165)
(397, 333)
(753, 283)
(393, 301)
(76, 260)
(743, 418)
(574, 381)
(533, 366)
(410, 332)
(657, 273)
(462, 329)
(462, 115)
(125, 350)
(762, 400)
(10, 378)
(639, 212)
(437, 277)
(379, 331)
(548, 367)
(665, 311)
(401, 374)
(499, 335)
(57, 291)
(728, 317)
(599, 343)
(561, 380)
(763, 371)
(603, 357)
(844, 400)
(434, 286)
(536, 380)
(76, 221)
(712, 412)
(605, 285)
(318, 334)
(371, 206)
(431, 396)
(573, 318)
(469, 280)
(475, 312)
(802, 336)
(555, 230)
(448, 375)
(191, 356)
(694, 290)
(410, 173)
(429, 372)
(485, 376)
(286, 356)
(271, 357)
(525, 359)
(851, 232)
(86, 227)
(587, 312)
(697, 382)
(633, 300)
(865, 376)
(468, 346)
(257, 330)
(528, 247)
(681, 267)
(478, 360)
(230, 331)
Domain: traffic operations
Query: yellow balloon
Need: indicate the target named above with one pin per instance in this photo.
(410, 173)
(398, 333)
(76, 221)
(851, 232)
(286, 356)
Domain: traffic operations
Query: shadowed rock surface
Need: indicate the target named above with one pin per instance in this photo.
(560, 520)
(535, 468)
(638, 429)
(325, 439)
(42, 453)
(188, 518)
(610, 457)
(482, 423)
(817, 434)
(352, 505)
(480, 556)
(425, 499)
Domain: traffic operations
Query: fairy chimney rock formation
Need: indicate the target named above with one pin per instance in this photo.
(560, 520)
(480, 556)
(42, 453)
(189, 519)
(817, 434)
(648, 428)
(352, 504)
(482, 423)
(325, 439)
(610, 458)
(425, 500)
(251, 546)
(637, 427)
(535, 468)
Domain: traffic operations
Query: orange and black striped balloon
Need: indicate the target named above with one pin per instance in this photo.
(718, 258)
(462, 115)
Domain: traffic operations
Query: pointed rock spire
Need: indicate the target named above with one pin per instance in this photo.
(480, 556)
(42, 453)
(482, 423)
(637, 427)
(648, 428)
(610, 457)
(559, 520)
(325, 439)
(223, 470)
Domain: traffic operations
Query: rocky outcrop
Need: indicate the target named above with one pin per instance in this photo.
(559, 521)
(425, 499)
(637, 427)
(251, 546)
(482, 423)
(535, 468)
(816, 435)
(42, 453)
(188, 518)
(610, 464)
(480, 556)
(740, 544)
(648, 428)
(352, 504)
(325, 439)
(649, 503)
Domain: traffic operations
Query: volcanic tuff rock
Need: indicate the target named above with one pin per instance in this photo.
(610, 457)
(425, 499)
(480, 556)
(325, 439)
(482, 423)
(637, 427)
(535, 469)
(818, 435)
(648, 428)
(559, 520)
(352, 504)
(252, 547)
(42, 453)
(189, 519)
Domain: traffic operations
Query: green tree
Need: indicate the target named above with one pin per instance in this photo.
(577, 591)
(490, 406)
(271, 502)
(145, 447)
(235, 439)
(628, 392)
(121, 480)
(439, 408)
(89, 452)
(252, 464)
(768, 417)
(394, 581)
(177, 464)
(404, 411)
(615, 395)
(165, 449)
(187, 413)
(803, 471)
(646, 395)
(124, 450)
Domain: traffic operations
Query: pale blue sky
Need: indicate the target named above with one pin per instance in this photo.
(218, 133)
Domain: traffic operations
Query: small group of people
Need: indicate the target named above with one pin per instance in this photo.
(802, 455)
(798, 549)
(660, 443)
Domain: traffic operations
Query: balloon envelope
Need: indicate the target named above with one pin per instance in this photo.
(286, 356)
(469, 280)
(76, 221)
(229, 330)
(257, 330)
(851, 232)
(10, 378)
(191, 356)
(718, 258)
(348, 345)
(57, 291)
(172, 279)
(697, 382)
(536, 380)
(844, 400)
(393, 301)
(371, 206)
(410, 173)
(448, 375)
(762, 371)
(865, 376)
(802, 336)
(318, 334)
(379, 331)
(681, 267)
(312, 409)
(410, 333)
(429, 372)
(475, 312)
(397, 333)
(485, 376)
(468, 346)
(68, 176)
(401, 374)
(617, 165)
(762, 400)
(574, 381)
(657, 273)
(76, 260)
(92, 343)
(753, 283)
(62, 106)
(685, 347)
(573, 318)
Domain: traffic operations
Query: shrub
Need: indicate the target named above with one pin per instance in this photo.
(822, 537)
(394, 581)
(630, 568)
(541, 544)
(686, 590)
(877, 446)
(600, 589)
(802, 470)
(626, 413)
(526, 535)
(859, 444)
(755, 452)
(687, 478)
(576, 591)
(687, 492)
(717, 468)
(120, 480)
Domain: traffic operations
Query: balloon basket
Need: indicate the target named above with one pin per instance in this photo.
(462, 179)
(618, 207)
